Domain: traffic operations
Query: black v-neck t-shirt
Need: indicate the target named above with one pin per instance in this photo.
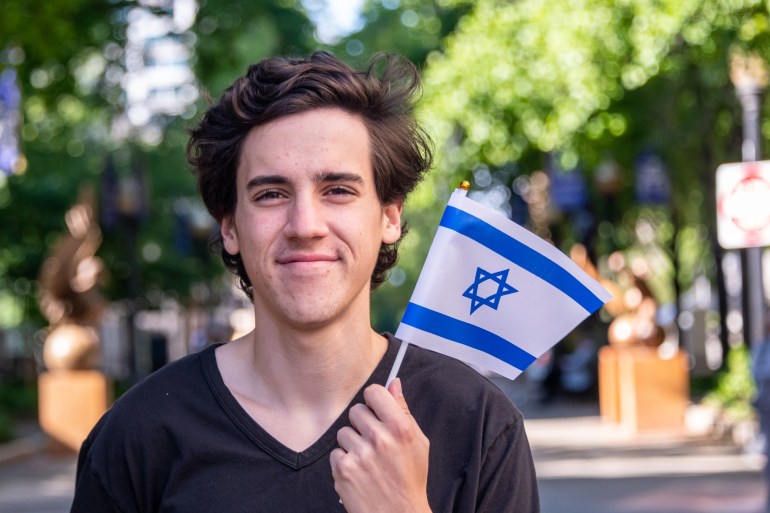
(180, 442)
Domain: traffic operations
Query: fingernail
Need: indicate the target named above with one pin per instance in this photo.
(397, 387)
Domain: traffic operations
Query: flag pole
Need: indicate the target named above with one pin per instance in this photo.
(464, 186)
(397, 363)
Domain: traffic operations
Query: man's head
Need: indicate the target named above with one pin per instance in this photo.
(382, 96)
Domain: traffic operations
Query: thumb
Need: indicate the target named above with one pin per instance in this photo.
(398, 394)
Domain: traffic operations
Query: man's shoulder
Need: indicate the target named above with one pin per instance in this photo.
(142, 421)
(161, 394)
(449, 383)
(173, 379)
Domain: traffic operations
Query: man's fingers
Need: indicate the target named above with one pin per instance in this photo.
(335, 457)
(397, 392)
(349, 440)
(383, 457)
(362, 418)
(384, 404)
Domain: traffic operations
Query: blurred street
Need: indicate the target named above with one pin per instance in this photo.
(39, 483)
(586, 466)
(583, 466)
(33, 480)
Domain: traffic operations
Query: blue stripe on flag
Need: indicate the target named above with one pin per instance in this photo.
(522, 255)
(467, 334)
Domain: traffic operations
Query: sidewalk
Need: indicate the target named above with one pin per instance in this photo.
(583, 465)
(33, 480)
(587, 466)
(41, 483)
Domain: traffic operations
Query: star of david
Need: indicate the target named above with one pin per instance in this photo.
(492, 300)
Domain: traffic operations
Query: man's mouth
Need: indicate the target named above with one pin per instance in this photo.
(306, 258)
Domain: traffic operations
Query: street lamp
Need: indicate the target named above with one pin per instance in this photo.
(749, 75)
(131, 207)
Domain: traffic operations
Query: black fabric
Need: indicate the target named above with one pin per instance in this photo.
(180, 442)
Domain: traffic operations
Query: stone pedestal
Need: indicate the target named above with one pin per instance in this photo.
(640, 390)
(70, 403)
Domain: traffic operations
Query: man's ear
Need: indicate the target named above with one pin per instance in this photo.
(230, 235)
(391, 222)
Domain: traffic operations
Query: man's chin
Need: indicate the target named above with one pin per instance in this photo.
(306, 311)
(310, 322)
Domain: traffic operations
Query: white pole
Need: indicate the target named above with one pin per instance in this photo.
(397, 363)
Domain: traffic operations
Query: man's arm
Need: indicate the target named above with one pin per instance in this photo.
(90, 495)
(507, 482)
(382, 462)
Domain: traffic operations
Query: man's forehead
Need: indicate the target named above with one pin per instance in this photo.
(324, 144)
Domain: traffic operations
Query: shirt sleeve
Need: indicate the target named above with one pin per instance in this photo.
(90, 494)
(508, 482)
(91, 497)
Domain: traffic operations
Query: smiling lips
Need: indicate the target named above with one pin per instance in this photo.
(306, 258)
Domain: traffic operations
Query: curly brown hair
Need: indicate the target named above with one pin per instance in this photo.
(383, 96)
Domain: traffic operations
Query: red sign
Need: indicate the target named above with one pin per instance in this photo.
(743, 205)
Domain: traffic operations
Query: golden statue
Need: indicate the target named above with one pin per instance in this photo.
(69, 298)
(632, 305)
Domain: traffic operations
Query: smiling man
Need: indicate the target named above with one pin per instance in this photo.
(306, 164)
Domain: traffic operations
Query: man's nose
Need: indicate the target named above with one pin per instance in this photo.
(307, 219)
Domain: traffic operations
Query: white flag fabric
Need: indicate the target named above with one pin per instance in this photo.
(493, 294)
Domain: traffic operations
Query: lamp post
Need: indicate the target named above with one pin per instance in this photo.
(131, 208)
(749, 75)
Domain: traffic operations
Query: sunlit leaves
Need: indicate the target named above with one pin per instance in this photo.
(541, 72)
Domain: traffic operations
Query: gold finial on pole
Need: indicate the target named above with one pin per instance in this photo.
(464, 185)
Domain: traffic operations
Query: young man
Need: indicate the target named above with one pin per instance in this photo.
(306, 164)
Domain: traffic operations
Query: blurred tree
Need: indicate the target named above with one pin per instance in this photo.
(233, 34)
(412, 28)
(69, 60)
(44, 50)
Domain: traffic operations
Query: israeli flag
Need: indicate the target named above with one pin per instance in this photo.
(494, 294)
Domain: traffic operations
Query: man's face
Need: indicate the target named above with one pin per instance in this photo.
(308, 223)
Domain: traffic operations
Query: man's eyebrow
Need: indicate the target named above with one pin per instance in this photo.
(335, 176)
(259, 181)
(323, 176)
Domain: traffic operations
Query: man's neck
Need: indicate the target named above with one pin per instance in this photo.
(323, 363)
(303, 378)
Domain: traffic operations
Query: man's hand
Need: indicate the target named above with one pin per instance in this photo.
(382, 462)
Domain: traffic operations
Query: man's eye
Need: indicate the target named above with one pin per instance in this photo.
(339, 191)
(268, 195)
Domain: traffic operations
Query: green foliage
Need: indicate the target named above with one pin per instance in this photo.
(529, 74)
(6, 427)
(232, 34)
(64, 52)
(735, 387)
(18, 400)
(412, 28)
